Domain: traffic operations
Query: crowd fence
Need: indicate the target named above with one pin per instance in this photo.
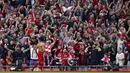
(72, 68)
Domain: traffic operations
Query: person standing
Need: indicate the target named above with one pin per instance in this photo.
(128, 63)
(93, 55)
(64, 58)
(48, 55)
(41, 49)
(33, 55)
(106, 62)
(120, 58)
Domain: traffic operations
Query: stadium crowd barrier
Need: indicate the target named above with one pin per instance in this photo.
(69, 68)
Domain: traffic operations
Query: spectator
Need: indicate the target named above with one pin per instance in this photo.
(33, 53)
(91, 28)
(94, 54)
(120, 58)
(128, 64)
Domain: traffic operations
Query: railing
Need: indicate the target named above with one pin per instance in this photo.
(72, 68)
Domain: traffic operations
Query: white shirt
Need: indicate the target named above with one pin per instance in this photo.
(0, 41)
(120, 56)
(66, 39)
(62, 34)
(119, 44)
(32, 2)
(66, 8)
(33, 53)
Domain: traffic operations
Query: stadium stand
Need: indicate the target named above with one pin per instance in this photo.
(79, 34)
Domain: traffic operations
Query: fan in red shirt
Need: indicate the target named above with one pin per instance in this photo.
(31, 17)
(127, 43)
(37, 20)
(106, 59)
(71, 52)
(64, 57)
(42, 2)
(73, 56)
(48, 48)
(29, 30)
(82, 58)
(77, 47)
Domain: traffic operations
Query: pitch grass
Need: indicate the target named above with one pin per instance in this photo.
(64, 72)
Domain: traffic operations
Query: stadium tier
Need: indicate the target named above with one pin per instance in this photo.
(65, 35)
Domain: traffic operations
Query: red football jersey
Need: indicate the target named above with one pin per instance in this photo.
(64, 58)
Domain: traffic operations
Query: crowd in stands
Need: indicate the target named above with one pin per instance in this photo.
(89, 32)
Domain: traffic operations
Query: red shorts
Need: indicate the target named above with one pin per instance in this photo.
(40, 56)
